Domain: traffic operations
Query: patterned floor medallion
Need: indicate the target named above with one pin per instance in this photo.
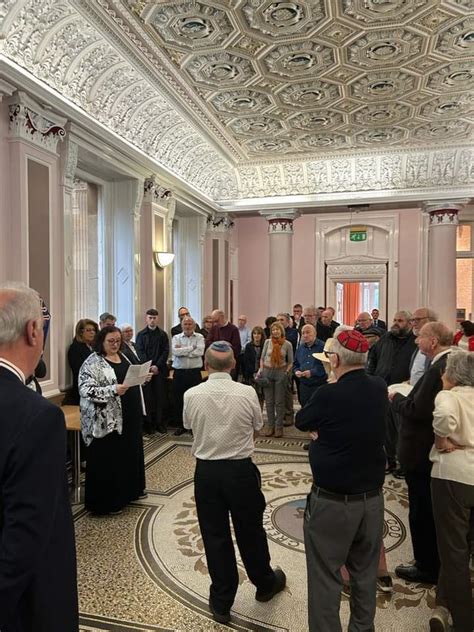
(151, 570)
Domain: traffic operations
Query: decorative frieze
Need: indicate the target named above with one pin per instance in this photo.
(29, 121)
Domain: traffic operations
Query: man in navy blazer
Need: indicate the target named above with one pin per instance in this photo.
(38, 590)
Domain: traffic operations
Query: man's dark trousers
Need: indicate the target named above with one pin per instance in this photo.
(224, 486)
(154, 394)
(336, 533)
(183, 379)
(420, 517)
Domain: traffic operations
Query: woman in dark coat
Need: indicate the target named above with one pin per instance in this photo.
(251, 360)
(78, 352)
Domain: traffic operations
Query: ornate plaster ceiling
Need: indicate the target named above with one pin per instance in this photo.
(265, 97)
(304, 77)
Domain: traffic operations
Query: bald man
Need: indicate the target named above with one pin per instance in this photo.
(224, 417)
(223, 329)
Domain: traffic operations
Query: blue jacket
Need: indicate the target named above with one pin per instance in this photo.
(304, 360)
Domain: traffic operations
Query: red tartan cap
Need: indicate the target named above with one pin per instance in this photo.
(353, 340)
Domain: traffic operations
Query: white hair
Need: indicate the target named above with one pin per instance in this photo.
(125, 326)
(21, 306)
(460, 368)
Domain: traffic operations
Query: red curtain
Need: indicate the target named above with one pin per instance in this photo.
(351, 303)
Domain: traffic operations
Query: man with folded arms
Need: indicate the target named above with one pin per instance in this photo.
(224, 416)
(344, 513)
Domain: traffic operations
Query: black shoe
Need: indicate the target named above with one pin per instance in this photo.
(220, 617)
(179, 432)
(306, 446)
(161, 429)
(390, 468)
(412, 573)
(400, 474)
(279, 584)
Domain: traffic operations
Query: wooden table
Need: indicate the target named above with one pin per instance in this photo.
(73, 424)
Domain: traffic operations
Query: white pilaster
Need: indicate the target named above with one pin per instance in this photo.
(280, 232)
(443, 218)
(217, 262)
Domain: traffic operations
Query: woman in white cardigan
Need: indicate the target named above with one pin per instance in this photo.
(452, 490)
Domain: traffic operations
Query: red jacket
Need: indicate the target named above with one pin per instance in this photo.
(457, 337)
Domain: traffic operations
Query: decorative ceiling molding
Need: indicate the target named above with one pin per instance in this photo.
(394, 171)
(250, 58)
(266, 98)
(60, 47)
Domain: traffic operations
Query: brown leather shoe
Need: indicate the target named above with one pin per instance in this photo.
(278, 433)
(268, 431)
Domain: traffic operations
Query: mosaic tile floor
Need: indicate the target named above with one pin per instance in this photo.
(145, 570)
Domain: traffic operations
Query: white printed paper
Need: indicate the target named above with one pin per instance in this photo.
(137, 374)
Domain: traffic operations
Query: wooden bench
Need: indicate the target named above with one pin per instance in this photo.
(73, 424)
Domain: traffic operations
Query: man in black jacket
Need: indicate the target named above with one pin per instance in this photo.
(390, 358)
(344, 513)
(152, 343)
(416, 441)
(37, 552)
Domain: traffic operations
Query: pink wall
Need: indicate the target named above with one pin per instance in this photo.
(253, 244)
(409, 262)
(253, 268)
(303, 261)
(253, 247)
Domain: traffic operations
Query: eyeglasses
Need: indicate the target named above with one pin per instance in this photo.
(114, 341)
(89, 330)
(328, 353)
(417, 320)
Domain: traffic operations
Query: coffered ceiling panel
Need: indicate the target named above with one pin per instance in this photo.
(297, 77)
(216, 88)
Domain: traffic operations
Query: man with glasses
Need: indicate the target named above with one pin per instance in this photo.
(419, 362)
(343, 520)
(364, 321)
(178, 329)
(416, 440)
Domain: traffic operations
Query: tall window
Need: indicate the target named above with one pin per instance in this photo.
(464, 271)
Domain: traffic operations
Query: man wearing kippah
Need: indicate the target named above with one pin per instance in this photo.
(344, 513)
(224, 416)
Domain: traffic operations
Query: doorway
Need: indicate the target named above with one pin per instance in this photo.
(354, 297)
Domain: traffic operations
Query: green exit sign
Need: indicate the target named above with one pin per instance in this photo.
(358, 233)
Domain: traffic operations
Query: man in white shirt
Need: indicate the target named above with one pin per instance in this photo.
(188, 349)
(224, 416)
(420, 363)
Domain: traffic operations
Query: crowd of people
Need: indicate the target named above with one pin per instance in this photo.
(374, 401)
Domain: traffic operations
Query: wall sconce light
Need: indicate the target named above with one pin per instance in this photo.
(163, 259)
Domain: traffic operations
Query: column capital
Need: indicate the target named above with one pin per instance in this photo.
(444, 213)
(155, 192)
(280, 222)
(32, 122)
(219, 223)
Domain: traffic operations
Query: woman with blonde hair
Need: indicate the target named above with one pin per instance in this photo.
(276, 363)
(78, 352)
